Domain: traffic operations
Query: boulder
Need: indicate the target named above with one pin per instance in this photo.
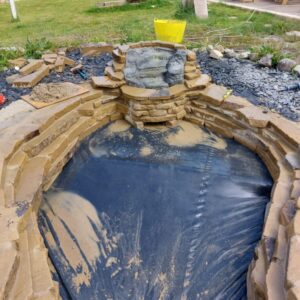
(296, 70)
(230, 53)
(266, 61)
(295, 35)
(253, 56)
(286, 64)
(244, 55)
(219, 48)
(216, 54)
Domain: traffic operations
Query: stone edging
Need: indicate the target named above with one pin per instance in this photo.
(34, 151)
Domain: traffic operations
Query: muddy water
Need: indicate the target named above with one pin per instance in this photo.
(164, 213)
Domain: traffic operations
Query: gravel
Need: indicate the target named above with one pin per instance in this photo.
(93, 66)
(261, 86)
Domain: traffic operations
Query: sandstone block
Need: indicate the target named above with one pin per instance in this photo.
(96, 48)
(49, 56)
(234, 103)
(293, 160)
(214, 94)
(32, 79)
(257, 117)
(293, 267)
(118, 67)
(281, 193)
(91, 96)
(116, 116)
(118, 56)
(295, 193)
(198, 83)
(100, 122)
(30, 180)
(293, 293)
(194, 119)
(275, 280)
(294, 226)
(123, 49)
(69, 62)
(191, 55)
(18, 62)
(34, 65)
(281, 245)
(36, 145)
(60, 64)
(157, 113)
(9, 261)
(10, 79)
(258, 275)
(180, 115)
(190, 69)
(218, 129)
(122, 108)
(86, 109)
(287, 212)
(192, 75)
(140, 113)
(287, 129)
(158, 119)
(104, 81)
(113, 75)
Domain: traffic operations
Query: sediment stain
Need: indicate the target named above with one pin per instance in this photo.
(79, 234)
(188, 135)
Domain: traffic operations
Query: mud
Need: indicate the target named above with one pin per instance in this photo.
(178, 222)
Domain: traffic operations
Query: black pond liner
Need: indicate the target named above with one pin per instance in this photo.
(184, 221)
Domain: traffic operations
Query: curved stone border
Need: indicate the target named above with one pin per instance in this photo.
(34, 151)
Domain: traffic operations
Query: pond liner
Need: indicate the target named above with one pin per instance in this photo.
(180, 222)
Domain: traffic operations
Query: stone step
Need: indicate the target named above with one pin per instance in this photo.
(113, 75)
(106, 82)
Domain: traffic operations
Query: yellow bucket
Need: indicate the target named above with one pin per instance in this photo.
(169, 30)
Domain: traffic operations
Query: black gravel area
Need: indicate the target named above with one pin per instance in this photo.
(93, 66)
(261, 86)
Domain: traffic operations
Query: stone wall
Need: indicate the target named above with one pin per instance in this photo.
(34, 150)
(153, 78)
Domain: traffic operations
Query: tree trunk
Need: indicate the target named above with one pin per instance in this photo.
(201, 10)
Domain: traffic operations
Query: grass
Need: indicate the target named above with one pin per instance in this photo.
(52, 23)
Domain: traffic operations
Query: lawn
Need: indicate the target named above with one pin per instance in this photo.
(71, 22)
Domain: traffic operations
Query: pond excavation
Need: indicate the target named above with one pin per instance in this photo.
(160, 199)
(164, 213)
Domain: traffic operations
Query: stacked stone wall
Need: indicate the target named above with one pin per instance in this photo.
(34, 151)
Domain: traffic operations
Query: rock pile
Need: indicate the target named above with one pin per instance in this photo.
(32, 71)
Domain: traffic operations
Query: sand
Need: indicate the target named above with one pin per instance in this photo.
(146, 150)
(117, 127)
(189, 135)
(50, 92)
(65, 210)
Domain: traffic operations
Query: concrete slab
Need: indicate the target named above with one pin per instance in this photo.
(291, 10)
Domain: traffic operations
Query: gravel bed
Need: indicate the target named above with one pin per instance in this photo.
(93, 66)
(262, 86)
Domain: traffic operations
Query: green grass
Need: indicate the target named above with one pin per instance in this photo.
(71, 22)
